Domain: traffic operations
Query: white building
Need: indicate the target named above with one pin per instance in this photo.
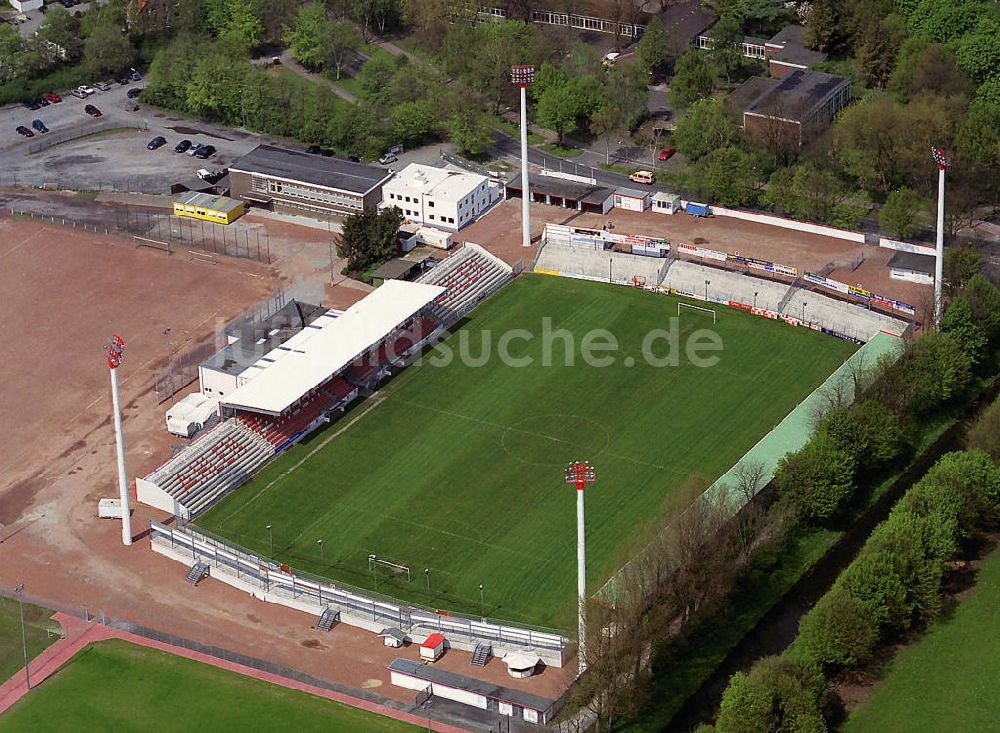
(438, 197)
(25, 6)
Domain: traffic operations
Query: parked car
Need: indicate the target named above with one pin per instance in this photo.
(39, 125)
(182, 146)
(53, 98)
(102, 85)
(205, 151)
(387, 158)
(31, 104)
(194, 148)
(78, 93)
(645, 177)
(87, 91)
(134, 75)
(22, 130)
(42, 101)
(354, 158)
(121, 79)
(667, 153)
(314, 150)
(134, 92)
(92, 111)
(211, 176)
(157, 142)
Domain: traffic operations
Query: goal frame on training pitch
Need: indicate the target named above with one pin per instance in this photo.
(697, 308)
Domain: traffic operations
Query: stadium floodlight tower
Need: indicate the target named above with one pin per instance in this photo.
(522, 76)
(581, 473)
(115, 348)
(942, 165)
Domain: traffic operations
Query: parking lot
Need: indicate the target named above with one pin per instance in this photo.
(110, 159)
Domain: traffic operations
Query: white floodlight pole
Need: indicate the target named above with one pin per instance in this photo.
(116, 350)
(522, 76)
(581, 473)
(942, 164)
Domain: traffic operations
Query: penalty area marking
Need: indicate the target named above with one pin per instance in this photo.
(710, 311)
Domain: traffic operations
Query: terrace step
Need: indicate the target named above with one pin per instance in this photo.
(327, 619)
(481, 655)
(197, 572)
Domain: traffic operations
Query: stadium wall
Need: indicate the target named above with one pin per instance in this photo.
(799, 226)
(270, 582)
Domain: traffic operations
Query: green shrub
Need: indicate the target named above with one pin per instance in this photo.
(909, 539)
(984, 299)
(933, 371)
(837, 632)
(971, 481)
(984, 433)
(818, 479)
(959, 322)
(873, 580)
(778, 694)
(867, 430)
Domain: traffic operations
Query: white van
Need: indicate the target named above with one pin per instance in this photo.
(644, 177)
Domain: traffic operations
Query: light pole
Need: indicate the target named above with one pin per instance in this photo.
(270, 542)
(481, 605)
(754, 298)
(942, 164)
(522, 76)
(427, 577)
(24, 639)
(321, 557)
(803, 311)
(581, 473)
(707, 283)
(115, 348)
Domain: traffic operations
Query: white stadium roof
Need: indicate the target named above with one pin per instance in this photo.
(328, 346)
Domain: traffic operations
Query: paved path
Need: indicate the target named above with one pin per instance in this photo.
(290, 63)
(78, 634)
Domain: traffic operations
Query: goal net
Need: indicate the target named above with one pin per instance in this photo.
(688, 306)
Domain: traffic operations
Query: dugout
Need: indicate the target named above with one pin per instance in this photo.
(564, 193)
(205, 206)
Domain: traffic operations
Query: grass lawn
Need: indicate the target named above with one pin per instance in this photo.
(459, 469)
(350, 83)
(514, 130)
(117, 686)
(561, 150)
(39, 629)
(947, 680)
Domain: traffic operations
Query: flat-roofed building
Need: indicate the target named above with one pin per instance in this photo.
(439, 197)
(294, 182)
(209, 207)
(792, 110)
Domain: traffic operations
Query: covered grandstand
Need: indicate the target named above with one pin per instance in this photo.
(292, 390)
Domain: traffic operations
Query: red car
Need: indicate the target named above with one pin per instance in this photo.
(667, 153)
(52, 97)
(92, 111)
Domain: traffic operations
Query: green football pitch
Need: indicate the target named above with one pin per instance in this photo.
(459, 469)
(117, 686)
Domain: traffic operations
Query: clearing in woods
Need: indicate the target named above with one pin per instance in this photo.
(459, 469)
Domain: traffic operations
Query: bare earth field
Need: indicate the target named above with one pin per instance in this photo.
(68, 291)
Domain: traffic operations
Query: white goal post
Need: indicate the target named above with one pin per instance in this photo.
(710, 311)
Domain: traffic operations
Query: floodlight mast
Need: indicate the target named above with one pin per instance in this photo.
(581, 473)
(115, 349)
(942, 162)
(522, 76)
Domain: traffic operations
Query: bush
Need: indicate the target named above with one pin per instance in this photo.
(984, 433)
(931, 372)
(911, 542)
(868, 431)
(837, 632)
(984, 299)
(873, 580)
(778, 694)
(970, 481)
(960, 323)
(818, 479)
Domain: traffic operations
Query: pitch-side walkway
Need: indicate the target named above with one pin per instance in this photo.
(79, 634)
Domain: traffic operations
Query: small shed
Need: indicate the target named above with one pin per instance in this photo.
(397, 269)
(631, 199)
(435, 238)
(696, 209)
(393, 637)
(521, 664)
(665, 203)
(432, 647)
(191, 414)
(912, 267)
(206, 206)
(407, 236)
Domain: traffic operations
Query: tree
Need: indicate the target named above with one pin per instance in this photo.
(960, 323)
(692, 79)
(899, 215)
(836, 632)
(727, 45)
(10, 50)
(911, 541)
(708, 125)
(984, 299)
(235, 22)
(874, 582)
(340, 45)
(927, 67)
(931, 372)
(63, 30)
(471, 132)
(978, 52)
(818, 479)
(867, 430)
(307, 40)
(653, 51)
(960, 265)
(107, 51)
(558, 109)
(606, 123)
(778, 694)
(979, 137)
(877, 47)
(730, 176)
(412, 122)
(825, 26)
(369, 237)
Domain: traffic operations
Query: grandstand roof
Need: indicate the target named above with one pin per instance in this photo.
(314, 355)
